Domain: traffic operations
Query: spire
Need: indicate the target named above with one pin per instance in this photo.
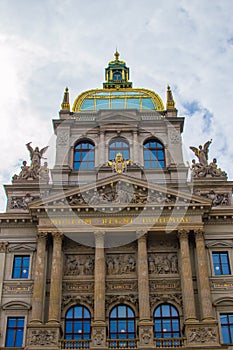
(116, 54)
(170, 102)
(66, 100)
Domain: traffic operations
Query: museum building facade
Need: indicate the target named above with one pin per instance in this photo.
(117, 246)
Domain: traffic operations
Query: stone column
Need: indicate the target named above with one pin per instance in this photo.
(187, 281)
(39, 279)
(135, 147)
(3, 247)
(145, 324)
(56, 280)
(99, 325)
(101, 149)
(203, 276)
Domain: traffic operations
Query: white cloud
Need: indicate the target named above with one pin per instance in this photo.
(49, 44)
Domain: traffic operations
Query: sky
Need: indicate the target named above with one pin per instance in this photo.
(47, 45)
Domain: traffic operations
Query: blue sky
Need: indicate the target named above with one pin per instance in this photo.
(47, 45)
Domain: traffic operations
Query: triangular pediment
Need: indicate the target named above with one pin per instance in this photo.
(220, 244)
(121, 190)
(118, 116)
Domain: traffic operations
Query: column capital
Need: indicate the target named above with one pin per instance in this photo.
(42, 235)
(141, 234)
(3, 246)
(183, 234)
(57, 236)
(199, 234)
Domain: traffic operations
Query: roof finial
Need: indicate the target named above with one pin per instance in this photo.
(116, 54)
(66, 100)
(170, 101)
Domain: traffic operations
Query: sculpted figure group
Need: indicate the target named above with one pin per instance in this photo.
(203, 168)
(34, 171)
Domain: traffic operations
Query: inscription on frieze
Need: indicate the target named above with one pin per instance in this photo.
(119, 286)
(161, 285)
(77, 286)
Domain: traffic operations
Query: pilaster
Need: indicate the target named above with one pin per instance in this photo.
(186, 275)
(39, 279)
(56, 281)
(145, 324)
(99, 324)
(3, 247)
(203, 277)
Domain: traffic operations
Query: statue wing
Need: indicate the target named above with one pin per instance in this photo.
(43, 150)
(206, 146)
(195, 150)
(29, 147)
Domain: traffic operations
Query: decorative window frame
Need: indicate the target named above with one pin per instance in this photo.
(218, 247)
(223, 306)
(20, 250)
(72, 155)
(14, 309)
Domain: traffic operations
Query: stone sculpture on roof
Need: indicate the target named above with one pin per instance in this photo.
(35, 171)
(203, 168)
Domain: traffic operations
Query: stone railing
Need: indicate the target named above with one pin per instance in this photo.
(122, 343)
(169, 343)
(75, 344)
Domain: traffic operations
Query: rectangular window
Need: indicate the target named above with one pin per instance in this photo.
(227, 328)
(14, 332)
(21, 266)
(221, 263)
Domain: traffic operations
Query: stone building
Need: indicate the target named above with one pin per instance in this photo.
(116, 247)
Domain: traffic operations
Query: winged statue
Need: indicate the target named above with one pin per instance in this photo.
(202, 152)
(36, 155)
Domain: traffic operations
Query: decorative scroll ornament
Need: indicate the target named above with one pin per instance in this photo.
(119, 165)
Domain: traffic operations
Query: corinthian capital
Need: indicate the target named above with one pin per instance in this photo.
(183, 234)
(3, 246)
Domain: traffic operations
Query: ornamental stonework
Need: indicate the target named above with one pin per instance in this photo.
(71, 299)
(16, 288)
(81, 287)
(121, 286)
(79, 265)
(202, 335)
(165, 298)
(161, 285)
(120, 299)
(43, 337)
(121, 264)
(163, 263)
(63, 138)
(98, 335)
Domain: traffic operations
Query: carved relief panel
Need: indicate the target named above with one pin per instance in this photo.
(163, 263)
(120, 264)
(79, 265)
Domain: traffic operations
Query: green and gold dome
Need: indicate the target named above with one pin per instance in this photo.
(118, 93)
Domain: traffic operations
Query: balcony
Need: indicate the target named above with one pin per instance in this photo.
(168, 343)
(159, 343)
(122, 343)
(75, 344)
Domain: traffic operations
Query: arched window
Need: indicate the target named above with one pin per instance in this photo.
(154, 156)
(118, 145)
(166, 322)
(84, 156)
(122, 323)
(78, 323)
